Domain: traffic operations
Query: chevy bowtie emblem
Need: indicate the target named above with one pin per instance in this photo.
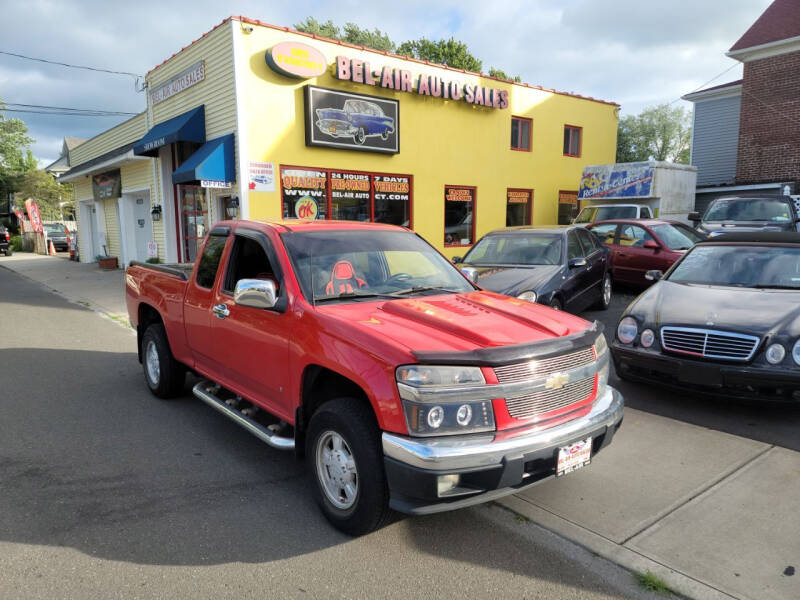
(556, 381)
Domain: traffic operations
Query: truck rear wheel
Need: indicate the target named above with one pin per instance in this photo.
(345, 463)
(164, 375)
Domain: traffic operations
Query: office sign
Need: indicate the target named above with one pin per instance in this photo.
(351, 121)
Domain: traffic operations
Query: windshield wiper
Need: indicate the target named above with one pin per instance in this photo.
(425, 288)
(775, 286)
(351, 295)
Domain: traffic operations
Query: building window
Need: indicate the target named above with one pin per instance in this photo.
(567, 206)
(521, 133)
(310, 193)
(519, 207)
(572, 140)
(459, 212)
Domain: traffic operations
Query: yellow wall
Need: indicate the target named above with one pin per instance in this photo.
(441, 141)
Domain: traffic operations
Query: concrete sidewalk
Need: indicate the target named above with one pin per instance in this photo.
(712, 514)
(87, 284)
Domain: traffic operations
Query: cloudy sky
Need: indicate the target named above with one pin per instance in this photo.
(633, 52)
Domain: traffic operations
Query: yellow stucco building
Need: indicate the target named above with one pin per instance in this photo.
(257, 121)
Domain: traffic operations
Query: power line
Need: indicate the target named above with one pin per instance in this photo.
(63, 114)
(700, 87)
(62, 64)
(17, 107)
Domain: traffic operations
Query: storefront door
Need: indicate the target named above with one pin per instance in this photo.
(193, 210)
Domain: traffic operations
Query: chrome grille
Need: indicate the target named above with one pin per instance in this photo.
(542, 368)
(724, 345)
(545, 401)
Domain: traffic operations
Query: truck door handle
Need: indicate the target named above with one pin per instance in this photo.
(221, 311)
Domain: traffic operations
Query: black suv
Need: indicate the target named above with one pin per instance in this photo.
(739, 214)
(5, 242)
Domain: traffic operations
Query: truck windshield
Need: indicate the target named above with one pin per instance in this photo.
(776, 267)
(757, 209)
(356, 265)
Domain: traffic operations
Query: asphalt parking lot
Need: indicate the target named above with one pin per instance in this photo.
(770, 423)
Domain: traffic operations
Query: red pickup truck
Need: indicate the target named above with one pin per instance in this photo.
(362, 348)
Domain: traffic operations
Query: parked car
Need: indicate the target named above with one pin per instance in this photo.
(57, 233)
(358, 119)
(639, 246)
(723, 321)
(774, 213)
(605, 212)
(5, 242)
(361, 347)
(563, 267)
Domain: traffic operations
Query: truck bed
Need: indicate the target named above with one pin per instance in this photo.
(182, 270)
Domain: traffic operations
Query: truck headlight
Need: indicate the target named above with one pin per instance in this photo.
(627, 330)
(427, 415)
(530, 296)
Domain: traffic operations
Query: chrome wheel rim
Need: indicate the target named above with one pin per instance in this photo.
(607, 290)
(151, 363)
(336, 470)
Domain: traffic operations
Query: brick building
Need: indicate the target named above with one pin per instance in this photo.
(746, 136)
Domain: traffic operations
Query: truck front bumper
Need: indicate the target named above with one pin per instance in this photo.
(487, 466)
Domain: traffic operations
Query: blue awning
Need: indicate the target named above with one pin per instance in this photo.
(212, 162)
(188, 127)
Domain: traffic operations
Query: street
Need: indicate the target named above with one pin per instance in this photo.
(107, 492)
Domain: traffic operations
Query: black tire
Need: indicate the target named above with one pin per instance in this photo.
(353, 421)
(605, 300)
(385, 135)
(360, 136)
(171, 376)
(555, 302)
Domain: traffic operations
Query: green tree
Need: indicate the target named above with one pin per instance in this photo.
(499, 73)
(446, 52)
(15, 155)
(54, 199)
(351, 33)
(657, 133)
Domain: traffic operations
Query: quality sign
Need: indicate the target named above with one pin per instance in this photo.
(297, 60)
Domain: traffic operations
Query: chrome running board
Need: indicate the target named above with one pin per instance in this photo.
(204, 390)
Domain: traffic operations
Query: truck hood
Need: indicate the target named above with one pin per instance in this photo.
(456, 322)
(742, 310)
(514, 280)
(720, 227)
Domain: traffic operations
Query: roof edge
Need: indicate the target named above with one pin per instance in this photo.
(775, 48)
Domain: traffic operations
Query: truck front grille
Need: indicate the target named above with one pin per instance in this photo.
(708, 343)
(536, 369)
(545, 401)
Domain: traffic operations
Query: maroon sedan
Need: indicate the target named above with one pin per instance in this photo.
(641, 245)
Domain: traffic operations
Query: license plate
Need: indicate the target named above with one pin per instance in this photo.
(332, 129)
(573, 457)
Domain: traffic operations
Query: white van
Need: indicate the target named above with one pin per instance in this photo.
(604, 212)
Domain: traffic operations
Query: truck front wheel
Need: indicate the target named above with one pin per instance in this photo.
(164, 375)
(345, 463)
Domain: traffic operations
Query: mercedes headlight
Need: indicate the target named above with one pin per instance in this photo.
(627, 330)
(796, 352)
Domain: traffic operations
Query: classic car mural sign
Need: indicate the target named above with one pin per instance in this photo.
(359, 71)
(627, 180)
(294, 59)
(353, 121)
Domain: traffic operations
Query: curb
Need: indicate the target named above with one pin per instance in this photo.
(627, 558)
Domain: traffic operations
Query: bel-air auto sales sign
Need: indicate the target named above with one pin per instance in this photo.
(622, 180)
(183, 80)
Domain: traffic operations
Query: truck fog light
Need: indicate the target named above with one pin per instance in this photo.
(464, 415)
(435, 417)
(447, 483)
(648, 337)
(775, 354)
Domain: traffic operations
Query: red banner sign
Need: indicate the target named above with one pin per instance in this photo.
(33, 215)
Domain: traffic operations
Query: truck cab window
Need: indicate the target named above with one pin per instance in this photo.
(209, 261)
(248, 261)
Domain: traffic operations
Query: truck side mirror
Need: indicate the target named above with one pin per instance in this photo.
(654, 275)
(255, 293)
(695, 217)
